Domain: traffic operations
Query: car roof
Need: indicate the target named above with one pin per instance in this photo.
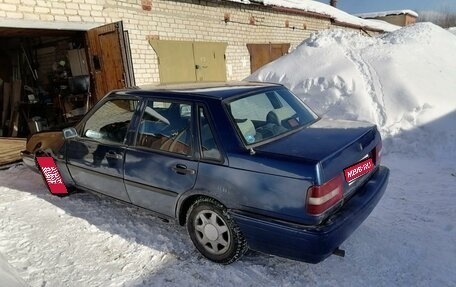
(217, 90)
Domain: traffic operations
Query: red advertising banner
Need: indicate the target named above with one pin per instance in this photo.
(52, 175)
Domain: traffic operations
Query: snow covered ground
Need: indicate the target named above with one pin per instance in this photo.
(84, 240)
(8, 275)
(404, 82)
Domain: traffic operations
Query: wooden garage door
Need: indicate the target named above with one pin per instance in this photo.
(109, 59)
(188, 61)
(261, 54)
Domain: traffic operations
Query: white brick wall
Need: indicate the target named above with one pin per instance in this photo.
(176, 20)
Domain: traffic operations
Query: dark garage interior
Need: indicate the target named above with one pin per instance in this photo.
(49, 78)
(44, 82)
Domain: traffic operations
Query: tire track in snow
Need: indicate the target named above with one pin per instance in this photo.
(372, 82)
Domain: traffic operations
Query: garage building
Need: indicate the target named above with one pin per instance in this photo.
(60, 57)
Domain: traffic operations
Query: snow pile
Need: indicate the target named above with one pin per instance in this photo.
(403, 81)
(324, 9)
(452, 30)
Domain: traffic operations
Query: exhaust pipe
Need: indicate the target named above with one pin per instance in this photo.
(339, 252)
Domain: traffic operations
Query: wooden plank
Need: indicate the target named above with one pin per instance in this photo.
(15, 99)
(6, 101)
(78, 62)
(10, 150)
(14, 126)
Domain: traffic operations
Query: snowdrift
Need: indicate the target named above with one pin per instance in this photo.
(404, 81)
(452, 30)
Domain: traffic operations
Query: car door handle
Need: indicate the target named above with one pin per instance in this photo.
(182, 169)
(113, 155)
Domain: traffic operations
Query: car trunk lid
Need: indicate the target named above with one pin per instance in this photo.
(334, 144)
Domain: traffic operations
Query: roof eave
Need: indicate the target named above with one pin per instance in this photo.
(354, 26)
(326, 17)
(300, 12)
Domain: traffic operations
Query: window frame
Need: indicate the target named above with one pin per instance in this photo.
(143, 106)
(210, 121)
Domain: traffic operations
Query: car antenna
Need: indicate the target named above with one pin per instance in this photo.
(252, 151)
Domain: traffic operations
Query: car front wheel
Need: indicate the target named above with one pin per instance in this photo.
(214, 233)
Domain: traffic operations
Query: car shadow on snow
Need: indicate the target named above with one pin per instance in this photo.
(434, 139)
(184, 265)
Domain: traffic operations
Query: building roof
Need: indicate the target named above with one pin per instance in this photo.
(324, 10)
(387, 13)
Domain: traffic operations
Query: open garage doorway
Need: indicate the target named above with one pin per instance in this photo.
(51, 74)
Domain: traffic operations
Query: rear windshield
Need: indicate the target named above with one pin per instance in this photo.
(263, 116)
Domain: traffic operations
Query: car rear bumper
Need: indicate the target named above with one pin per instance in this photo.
(313, 243)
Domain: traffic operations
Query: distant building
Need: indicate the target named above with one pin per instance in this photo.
(398, 17)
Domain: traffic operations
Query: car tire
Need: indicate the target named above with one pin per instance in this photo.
(214, 233)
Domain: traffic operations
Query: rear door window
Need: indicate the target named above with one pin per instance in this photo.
(166, 126)
(209, 147)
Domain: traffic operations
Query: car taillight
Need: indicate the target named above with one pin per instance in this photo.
(322, 197)
(378, 153)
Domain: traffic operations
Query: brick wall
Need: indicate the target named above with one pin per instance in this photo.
(197, 20)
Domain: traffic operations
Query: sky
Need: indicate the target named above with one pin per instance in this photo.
(360, 6)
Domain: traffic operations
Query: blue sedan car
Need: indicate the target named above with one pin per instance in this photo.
(242, 165)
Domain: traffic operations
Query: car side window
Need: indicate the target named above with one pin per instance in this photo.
(209, 148)
(110, 122)
(166, 126)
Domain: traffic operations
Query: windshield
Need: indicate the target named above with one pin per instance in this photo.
(262, 116)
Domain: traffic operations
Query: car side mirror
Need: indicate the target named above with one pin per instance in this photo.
(93, 134)
(70, 133)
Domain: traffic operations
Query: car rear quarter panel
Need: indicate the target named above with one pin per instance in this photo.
(264, 184)
(255, 184)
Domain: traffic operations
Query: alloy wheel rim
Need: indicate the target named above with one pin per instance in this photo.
(212, 232)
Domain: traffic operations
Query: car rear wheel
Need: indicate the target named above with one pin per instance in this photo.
(214, 233)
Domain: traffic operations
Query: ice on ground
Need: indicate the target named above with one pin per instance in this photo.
(403, 81)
